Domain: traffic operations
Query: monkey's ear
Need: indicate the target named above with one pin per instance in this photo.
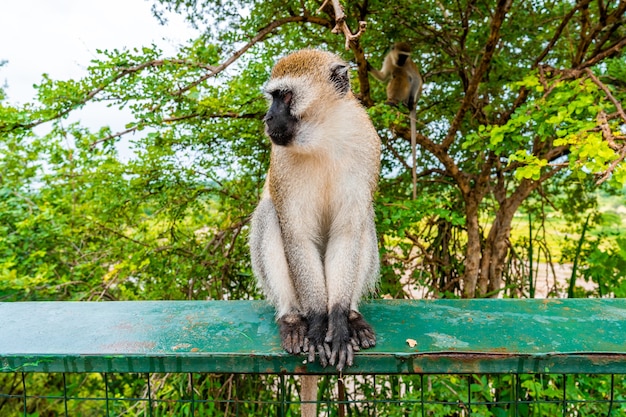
(339, 78)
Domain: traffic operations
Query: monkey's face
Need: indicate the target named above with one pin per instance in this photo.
(401, 59)
(302, 87)
(280, 123)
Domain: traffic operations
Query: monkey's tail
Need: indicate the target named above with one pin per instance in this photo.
(308, 395)
(414, 152)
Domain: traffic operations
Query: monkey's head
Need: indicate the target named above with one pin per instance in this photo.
(300, 86)
(403, 51)
(402, 47)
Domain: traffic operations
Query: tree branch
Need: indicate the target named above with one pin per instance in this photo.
(523, 94)
(608, 94)
(340, 23)
(211, 70)
(490, 48)
(559, 30)
(353, 43)
(227, 115)
(441, 154)
(264, 32)
(601, 55)
(91, 94)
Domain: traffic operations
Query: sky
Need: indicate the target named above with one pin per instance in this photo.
(60, 37)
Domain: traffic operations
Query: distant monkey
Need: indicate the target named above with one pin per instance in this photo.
(405, 86)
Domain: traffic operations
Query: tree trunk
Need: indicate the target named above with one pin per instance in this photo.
(473, 252)
(497, 242)
(484, 263)
(495, 251)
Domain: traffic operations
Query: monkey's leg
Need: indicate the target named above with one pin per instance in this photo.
(307, 271)
(270, 266)
(362, 335)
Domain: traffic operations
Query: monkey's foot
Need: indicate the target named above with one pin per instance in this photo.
(362, 335)
(293, 328)
(314, 341)
(339, 347)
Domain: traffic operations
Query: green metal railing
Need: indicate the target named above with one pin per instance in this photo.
(470, 357)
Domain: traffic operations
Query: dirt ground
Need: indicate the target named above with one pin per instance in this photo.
(548, 278)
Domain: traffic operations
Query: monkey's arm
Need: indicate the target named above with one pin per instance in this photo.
(349, 273)
(384, 73)
(270, 266)
(307, 272)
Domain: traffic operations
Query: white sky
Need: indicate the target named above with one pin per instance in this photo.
(60, 37)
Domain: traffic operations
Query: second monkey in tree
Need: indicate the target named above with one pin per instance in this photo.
(405, 86)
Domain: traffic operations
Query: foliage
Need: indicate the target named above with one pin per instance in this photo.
(521, 113)
(502, 115)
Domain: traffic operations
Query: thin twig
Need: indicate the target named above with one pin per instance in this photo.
(608, 94)
(340, 23)
(487, 56)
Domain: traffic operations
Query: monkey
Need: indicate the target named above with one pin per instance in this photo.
(405, 86)
(312, 239)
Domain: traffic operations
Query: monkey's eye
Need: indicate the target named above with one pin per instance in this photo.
(287, 97)
(283, 95)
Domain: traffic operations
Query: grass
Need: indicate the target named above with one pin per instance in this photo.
(556, 234)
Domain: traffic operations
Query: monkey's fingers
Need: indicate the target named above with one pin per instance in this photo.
(302, 337)
(361, 331)
(320, 349)
(293, 345)
(340, 350)
(286, 344)
(321, 354)
(355, 344)
(305, 345)
(366, 339)
(311, 357)
(327, 351)
(292, 330)
(342, 355)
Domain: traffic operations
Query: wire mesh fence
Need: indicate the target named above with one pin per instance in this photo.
(198, 394)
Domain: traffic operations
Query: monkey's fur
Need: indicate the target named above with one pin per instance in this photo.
(313, 240)
(405, 86)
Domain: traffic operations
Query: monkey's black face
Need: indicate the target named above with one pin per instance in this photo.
(280, 124)
(401, 60)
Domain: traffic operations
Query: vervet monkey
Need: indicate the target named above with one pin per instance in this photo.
(313, 240)
(405, 86)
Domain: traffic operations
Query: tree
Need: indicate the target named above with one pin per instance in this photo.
(515, 96)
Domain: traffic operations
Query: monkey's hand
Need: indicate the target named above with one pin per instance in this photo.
(341, 351)
(293, 328)
(314, 341)
(362, 335)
